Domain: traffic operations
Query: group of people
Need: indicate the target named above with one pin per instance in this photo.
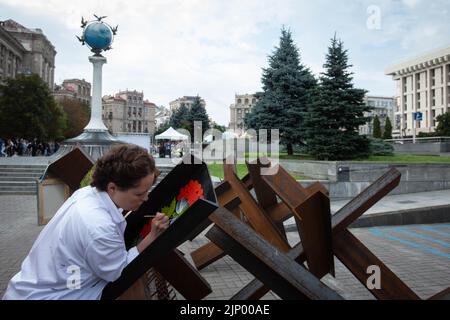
(23, 147)
(169, 149)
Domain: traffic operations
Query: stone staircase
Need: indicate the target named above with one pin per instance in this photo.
(19, 179)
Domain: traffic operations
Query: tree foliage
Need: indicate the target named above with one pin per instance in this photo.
(387, 134)
(337, 110)
(28, 110)
(77, 115)
(184, 117)
(443, 127)
(287, 86)
(376, 128)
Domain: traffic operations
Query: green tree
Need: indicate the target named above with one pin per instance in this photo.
(337, 111)
(287, 86)
(387, 134)
(77, 115)
(180, 118)
(198, 113)
(219, 127)
(376, 128)
(28, 110)
(163, 127)
(443, 127)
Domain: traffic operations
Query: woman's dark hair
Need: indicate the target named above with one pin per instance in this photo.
(125, 165)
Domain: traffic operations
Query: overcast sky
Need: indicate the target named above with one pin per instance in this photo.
(172, 48)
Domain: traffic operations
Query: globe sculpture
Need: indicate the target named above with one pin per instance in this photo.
(97, 35)
(96, 139)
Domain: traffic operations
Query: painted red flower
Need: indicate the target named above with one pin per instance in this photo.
(146, 229)
(191, 192)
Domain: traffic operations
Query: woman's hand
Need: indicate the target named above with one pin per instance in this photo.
(159, 224)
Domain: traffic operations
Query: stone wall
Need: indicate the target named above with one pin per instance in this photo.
(347, 179)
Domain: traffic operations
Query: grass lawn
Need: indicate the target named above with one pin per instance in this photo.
(407, 158)
(216, 169)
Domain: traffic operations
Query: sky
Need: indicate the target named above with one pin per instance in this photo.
(217, 48)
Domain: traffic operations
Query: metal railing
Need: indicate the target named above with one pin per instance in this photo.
(420, 140)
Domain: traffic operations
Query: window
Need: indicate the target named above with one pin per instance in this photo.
(239, 101)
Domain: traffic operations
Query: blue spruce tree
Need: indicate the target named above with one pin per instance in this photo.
(337, 110)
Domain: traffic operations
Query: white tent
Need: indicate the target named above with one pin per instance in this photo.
(171, 134)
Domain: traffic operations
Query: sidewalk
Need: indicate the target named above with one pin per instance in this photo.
(412, 208)
(419, 255)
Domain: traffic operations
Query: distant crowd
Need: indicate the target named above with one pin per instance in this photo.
(28, 148)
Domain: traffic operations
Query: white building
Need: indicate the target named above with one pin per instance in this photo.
(383, 107)
(423, 85)
(162, 115)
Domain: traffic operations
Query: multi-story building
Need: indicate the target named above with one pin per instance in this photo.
(383, 107)
(423, 85)
(128, 112)
(186, 101)
(36, 56)
(75, 89)
(11, 55)
(162, 115)
(243, 103)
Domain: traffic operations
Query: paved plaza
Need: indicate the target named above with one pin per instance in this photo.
(418, 254)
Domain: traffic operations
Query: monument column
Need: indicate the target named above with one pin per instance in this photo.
(95, 139)
(96, 123)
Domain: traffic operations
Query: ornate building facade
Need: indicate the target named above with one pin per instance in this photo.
(36, 55)
(186, 101)
(243, 103)
(75, 89)
(128, 112)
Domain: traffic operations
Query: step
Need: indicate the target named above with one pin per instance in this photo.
(18, 179)
(17, 184)
(20, 174)
(23, 166)
(17, 193)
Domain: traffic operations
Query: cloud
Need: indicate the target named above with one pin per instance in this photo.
(171, 48)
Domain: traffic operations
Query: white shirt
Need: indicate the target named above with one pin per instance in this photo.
(80, 250)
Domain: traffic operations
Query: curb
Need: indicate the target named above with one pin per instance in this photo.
(425, 215)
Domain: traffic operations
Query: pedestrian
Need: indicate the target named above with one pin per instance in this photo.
(87, 232)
